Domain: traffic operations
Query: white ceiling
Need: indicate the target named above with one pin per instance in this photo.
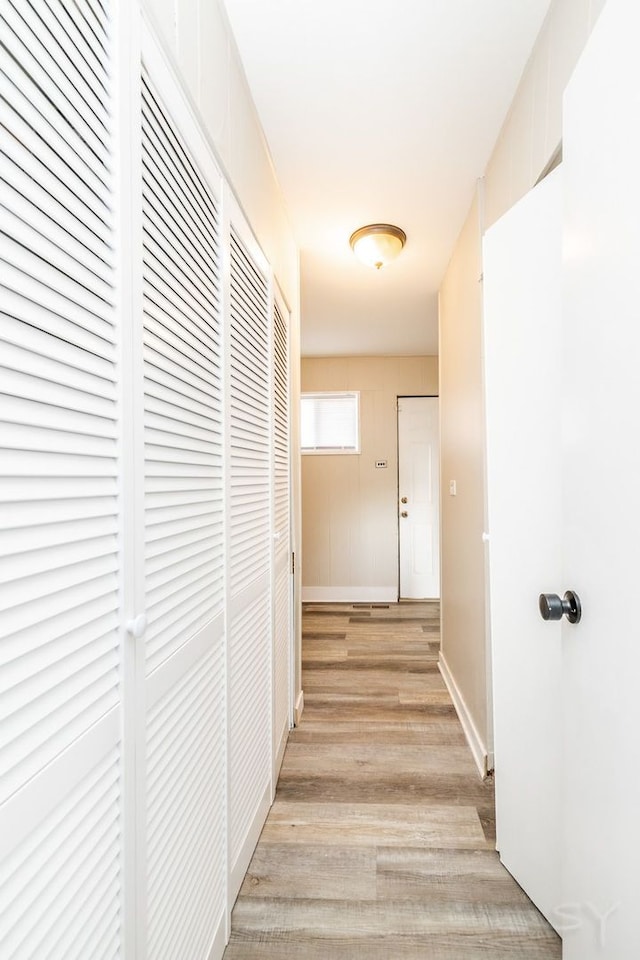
(380, 111)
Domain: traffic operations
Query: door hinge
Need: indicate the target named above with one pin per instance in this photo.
(293, 563)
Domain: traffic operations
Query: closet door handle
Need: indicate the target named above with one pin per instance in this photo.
(137, 626)
(552, 607)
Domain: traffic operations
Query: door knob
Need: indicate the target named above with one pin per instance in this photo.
(137, 626)
(404, 500)
(554, 608)
(404, 514)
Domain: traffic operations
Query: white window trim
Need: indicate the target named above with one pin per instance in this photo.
(334, 451)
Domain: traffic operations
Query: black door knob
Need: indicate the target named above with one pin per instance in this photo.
(554, 608)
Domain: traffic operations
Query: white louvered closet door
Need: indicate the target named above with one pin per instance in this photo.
(249, 553)
(185, 653)
(61, 676)
(281, 533)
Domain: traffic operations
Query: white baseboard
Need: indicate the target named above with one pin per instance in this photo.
(476, 744)
(220, 939)
(278, 757)
(299, 708)
(350, 594)
(243, 859)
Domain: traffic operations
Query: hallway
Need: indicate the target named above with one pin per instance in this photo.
(380, 844)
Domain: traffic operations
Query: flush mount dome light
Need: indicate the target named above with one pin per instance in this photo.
(377, 244)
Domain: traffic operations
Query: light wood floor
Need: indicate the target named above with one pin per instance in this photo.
(380, 845)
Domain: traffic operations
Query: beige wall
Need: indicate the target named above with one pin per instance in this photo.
(197, 39)
(529, 138)
(462, 460)
(533, 128)
(349, 508)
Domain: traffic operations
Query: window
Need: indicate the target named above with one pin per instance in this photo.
(330, 423)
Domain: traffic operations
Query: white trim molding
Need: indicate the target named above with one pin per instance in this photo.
(298, 710)
(243, 859)
(278, 756)
(350, 594)
(476, 744)
(220, 938)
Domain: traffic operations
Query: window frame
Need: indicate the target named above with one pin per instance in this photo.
(332, 451)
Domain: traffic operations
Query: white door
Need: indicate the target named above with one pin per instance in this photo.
(522, 317)
(281, 562)
(64, 559)
(249, 551)
(598, 340)
(185, 691)
(418, 498)
(601, 675)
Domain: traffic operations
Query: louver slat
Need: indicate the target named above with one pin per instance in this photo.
(182, 357)
(60, 657)
(62, 884)
(186, 836)
(281, 429)
(250, 715)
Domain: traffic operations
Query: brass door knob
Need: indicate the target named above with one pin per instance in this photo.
(404, 514)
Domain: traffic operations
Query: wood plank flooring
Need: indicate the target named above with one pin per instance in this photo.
(380, 844)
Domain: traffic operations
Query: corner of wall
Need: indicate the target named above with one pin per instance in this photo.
(462, 453)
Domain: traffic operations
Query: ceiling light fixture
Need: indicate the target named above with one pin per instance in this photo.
(377, 244)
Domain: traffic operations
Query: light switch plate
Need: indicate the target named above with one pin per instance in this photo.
(452, 488)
